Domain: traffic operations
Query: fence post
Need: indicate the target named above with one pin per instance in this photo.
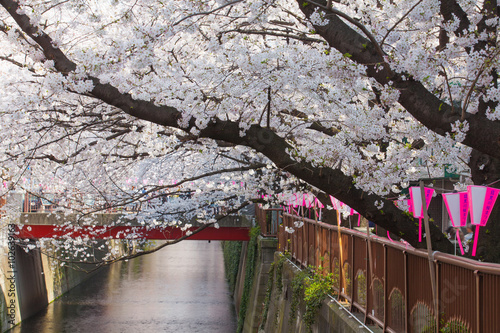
(438, 303)
(429, 253)
(353, 276)
(386, 292)
(330, 261)
(479, 325)
(369, 270)
(407, 292)
(341, 252)
(304, 249)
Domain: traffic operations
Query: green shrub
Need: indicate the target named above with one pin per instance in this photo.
(313, 288)
(232, 254)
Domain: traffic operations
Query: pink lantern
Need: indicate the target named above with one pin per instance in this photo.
(481, 202)
(337, 205)
(359, 215)
(351, 211)
(458, 209)
(293, 203)
(417, 207)
(307, 202)
(335, 202)
(318, 204)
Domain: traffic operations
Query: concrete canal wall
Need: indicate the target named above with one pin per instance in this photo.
(268, 307)
(30, 280)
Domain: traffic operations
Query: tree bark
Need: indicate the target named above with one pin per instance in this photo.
(486, 171)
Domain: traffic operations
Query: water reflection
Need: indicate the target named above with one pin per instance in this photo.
(179, 289)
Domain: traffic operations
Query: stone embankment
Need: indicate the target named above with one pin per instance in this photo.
(265, 306)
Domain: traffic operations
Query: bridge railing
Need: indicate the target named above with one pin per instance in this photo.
(389, 282)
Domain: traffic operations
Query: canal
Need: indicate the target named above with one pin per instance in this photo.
(181, 288)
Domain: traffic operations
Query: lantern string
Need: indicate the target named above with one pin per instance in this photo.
(496, 181)
(444, 190)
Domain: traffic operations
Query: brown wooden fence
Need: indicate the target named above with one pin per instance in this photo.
(390, 283)
(269, 220)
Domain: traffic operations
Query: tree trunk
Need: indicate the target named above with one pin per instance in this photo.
(486, 171)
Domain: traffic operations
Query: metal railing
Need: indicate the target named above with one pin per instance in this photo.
(390, 283)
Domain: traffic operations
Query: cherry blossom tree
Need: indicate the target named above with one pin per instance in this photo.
(355, 99)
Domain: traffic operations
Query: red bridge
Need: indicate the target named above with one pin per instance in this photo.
(31, 231)
(44, 225)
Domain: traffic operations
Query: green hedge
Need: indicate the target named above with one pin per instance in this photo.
(249, 274)
(232, 254)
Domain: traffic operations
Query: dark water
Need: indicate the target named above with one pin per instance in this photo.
(181, 288)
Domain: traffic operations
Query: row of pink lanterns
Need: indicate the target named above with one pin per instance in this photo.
(309, 201)
(306, 200)
(479, 200)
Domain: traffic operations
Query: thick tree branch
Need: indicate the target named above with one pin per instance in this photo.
(431, 111)
(265, 140)
(62, 63)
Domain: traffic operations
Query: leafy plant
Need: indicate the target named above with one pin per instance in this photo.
(279, 271)
(297, 294)
(318, 287)
(313, 287)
